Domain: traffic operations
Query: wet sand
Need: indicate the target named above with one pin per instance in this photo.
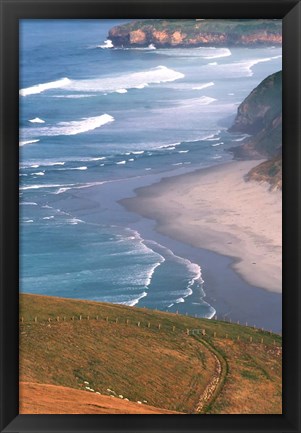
(217, 210)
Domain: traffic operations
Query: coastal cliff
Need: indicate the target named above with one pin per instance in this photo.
(260, 115)
(196, 33)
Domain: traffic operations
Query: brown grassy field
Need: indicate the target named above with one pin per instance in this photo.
(39, 398)
(148, 356)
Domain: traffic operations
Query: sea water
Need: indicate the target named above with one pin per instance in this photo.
(95, 122)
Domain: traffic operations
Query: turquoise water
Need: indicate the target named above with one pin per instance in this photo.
(96, 122)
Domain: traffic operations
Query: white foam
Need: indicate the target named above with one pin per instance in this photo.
(141, 86)
(64, 188)
(151, 47)
(74, 168)
(74, 221)
(107, 44)
(48, 218)
(238, 69)
(177, 301)
(183, 151)
(213, 139)
(29, 203)
(202, 52)
(121, 162)
(159, 74)
(39, 173)
(218, 52)
(242, 138)
(213, 64)
(28, 221)
(205, 100)
(121, 91)
(137, 152)
(39, 186)
(76, 126)
(217, 144)
(23, 142)
(39, 88)
(36, 120)
(134, 301)
(204, 86)
(74, 96)
(168, 146)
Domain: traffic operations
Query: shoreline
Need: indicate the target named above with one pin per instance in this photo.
(230, 295)
(186, 208)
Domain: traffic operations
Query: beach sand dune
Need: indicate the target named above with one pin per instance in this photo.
(217, 210)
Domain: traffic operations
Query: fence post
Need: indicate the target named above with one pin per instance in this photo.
(35, 319)
(187, 331)
(64, 318)
(107, 319)
(49, 320)
(173, 328)
(159, 326)
(148, 325)
(57, 319)
(88, 317)
(262, 341)
(116, 320)
(22, 320)
(251, 339)
(203, 331)
(238, 338)
(96, 317)
(80, 317)
(138, 324)
(214, 334)
(72, 318)
(127, 321)
(226, 335)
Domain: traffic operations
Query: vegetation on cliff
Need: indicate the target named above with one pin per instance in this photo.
(162, 360)
(197, 32)
(260, 115)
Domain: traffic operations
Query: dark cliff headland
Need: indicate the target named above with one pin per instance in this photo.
(260, 116)
(197, 32)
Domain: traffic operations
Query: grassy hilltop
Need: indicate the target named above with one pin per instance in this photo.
(157, 361)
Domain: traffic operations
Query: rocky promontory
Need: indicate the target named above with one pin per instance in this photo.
(197, 32)
(260, 116)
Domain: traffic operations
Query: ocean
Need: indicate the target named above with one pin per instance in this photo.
(97, 122)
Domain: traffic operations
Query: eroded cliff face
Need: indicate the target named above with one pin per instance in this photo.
(190, 33)
(260, 115)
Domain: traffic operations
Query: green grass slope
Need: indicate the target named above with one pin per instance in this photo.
(160, 359)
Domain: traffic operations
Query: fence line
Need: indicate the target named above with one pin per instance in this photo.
(203, 332)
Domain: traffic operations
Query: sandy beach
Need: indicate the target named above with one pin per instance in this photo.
(217, 210)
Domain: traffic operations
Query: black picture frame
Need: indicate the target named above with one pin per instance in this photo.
(11, 12)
